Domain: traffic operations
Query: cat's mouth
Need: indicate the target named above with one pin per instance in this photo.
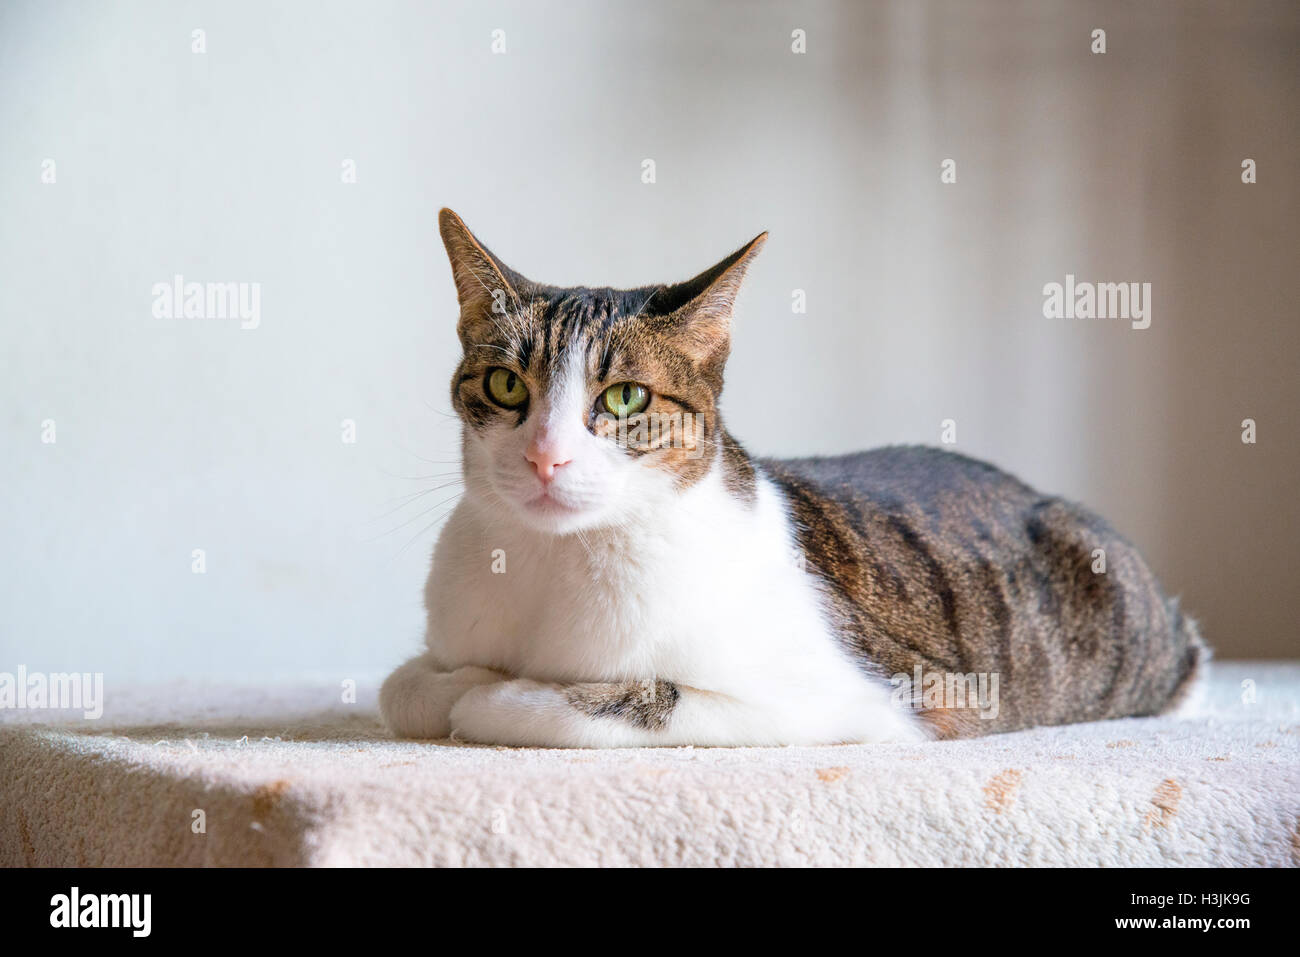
(550, 513)
(548, 504)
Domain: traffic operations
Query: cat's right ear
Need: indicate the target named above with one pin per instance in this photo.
(485, 285)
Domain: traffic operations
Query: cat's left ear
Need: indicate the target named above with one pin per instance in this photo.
(701, 307)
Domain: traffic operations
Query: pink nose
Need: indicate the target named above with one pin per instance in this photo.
(546, 459)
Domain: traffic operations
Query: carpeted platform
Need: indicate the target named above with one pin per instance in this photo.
(293, 776)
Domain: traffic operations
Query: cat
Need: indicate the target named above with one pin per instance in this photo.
(602, 583)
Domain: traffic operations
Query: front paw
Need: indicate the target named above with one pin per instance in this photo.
(416, 700)
(519, 713)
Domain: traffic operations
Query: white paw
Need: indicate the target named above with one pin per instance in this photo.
(416, 700)
(520, 713)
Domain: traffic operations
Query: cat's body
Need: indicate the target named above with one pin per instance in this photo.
(936, 559)
(592, 590)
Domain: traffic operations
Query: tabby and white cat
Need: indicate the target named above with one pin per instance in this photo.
(620, 573)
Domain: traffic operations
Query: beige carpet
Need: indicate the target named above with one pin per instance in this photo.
(293, 776)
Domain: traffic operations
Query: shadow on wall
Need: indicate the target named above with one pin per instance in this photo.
(1114, 167)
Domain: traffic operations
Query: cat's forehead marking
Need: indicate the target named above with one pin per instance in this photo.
(576, 319)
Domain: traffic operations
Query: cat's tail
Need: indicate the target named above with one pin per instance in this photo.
(1194, 664)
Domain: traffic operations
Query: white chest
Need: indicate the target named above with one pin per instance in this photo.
(707, 592)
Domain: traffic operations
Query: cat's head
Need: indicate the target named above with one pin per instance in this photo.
(581, 406)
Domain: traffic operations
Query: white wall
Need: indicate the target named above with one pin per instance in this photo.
(924, 300)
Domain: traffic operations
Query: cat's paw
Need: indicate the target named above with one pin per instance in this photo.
(522, 713)
(416, 700)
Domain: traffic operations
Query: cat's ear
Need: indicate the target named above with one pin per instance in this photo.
(484, 284)
(701, 307)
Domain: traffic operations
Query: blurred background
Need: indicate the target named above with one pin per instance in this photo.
(924, 299)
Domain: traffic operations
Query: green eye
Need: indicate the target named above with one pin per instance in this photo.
(506, 388)
(625, 398)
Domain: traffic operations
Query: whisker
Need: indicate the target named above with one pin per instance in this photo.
(418, 535)
(402, 448)
(456, 471)
(412, 519)
(413, 496)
